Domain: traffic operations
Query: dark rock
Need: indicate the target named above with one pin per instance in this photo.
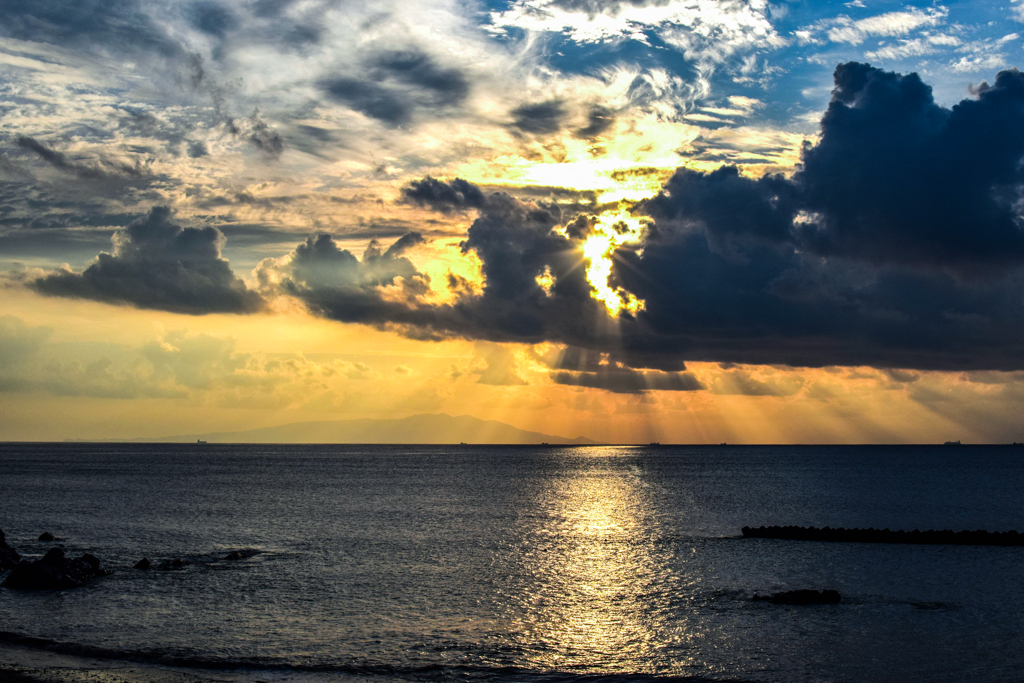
(47, 536)
(9, 557)
(802, 597)
(55, 572)
(144, 563)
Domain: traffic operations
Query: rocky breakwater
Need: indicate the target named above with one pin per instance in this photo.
(872, 535)
(9, 557)
(55, 572)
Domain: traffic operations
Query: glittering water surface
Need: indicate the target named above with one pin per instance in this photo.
(526, 563)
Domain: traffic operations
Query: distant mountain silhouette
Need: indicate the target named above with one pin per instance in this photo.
(418, 429)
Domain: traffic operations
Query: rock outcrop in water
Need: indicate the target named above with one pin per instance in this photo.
(55, 572)
(802, 597)
(144, 563)
(9, 557)
(872, 535)
(47, 536)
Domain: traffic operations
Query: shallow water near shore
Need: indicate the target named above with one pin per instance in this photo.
(394, 563)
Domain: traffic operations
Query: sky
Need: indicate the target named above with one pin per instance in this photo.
(685, 221)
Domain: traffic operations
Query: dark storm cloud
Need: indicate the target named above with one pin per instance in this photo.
(336, 284)
(615, 371)
(157, 264)
(775, 305)
(394, 84)
(515, 241)
(415, 68)
(443, 196)
(86, 170)
(541, 118)
(374, 100)
(894, 179)
(106, 24)
(726, 204)
(897, 178)
(847, 263)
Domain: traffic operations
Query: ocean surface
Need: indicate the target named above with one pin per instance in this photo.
(532, 564)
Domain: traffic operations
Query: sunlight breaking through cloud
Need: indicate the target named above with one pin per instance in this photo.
(611, 232)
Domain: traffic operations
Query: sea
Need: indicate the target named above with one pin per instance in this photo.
(532, 564)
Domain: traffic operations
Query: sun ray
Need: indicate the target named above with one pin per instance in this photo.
(611, 231)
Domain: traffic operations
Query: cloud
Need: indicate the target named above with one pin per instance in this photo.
(444, 196)
(897, 178)
(743, 382)
(628, 381)
(895, 244)
(211, 18)
(195, 362)
(114, 24)
(893, 179)
(983, 55)
(372, 99)
(542, 118)
(18, 341)
(335, 284)
(394, 85)
(177, 365)
(257, 133)
(843, 29)
(600, 120)
(100, 170)
(157, 264)
(902, 376)
(706, 32)
(500, 367)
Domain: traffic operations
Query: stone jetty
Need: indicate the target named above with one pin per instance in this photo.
(872, 535)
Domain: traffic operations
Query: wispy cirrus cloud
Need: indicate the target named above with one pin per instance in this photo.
(984, 55)
(914, 47)
(844, 29)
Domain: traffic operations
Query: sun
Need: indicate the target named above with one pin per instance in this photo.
(611, 231)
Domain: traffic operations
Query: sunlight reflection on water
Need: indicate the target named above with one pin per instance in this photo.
(592, 593)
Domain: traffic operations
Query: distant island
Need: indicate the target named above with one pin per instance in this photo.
(416, 429)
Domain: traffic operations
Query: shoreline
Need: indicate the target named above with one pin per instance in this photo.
(22, 664)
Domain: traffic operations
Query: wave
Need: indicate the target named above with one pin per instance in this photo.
(439, 673)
